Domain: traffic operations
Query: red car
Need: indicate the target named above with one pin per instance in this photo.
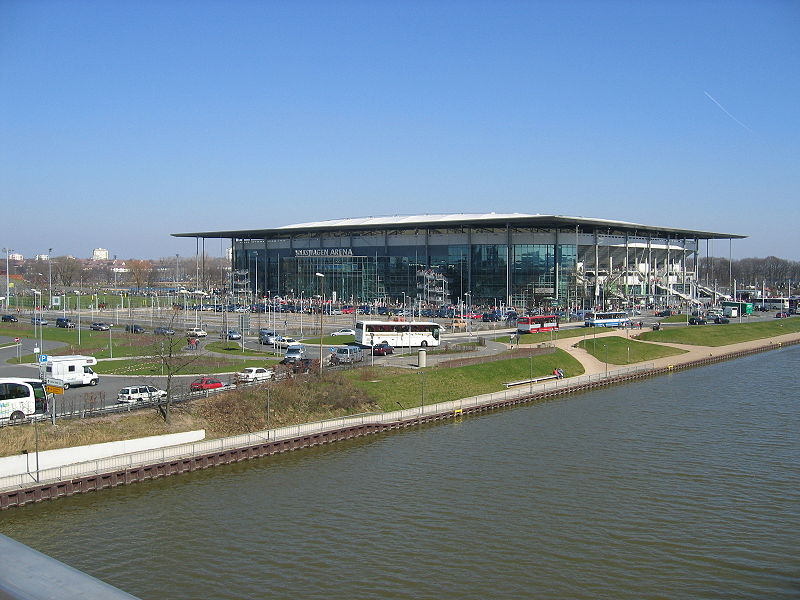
(205, 383)
(348, 310)
(382, 349)
(781, 315)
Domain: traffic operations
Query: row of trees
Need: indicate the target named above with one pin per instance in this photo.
(68, 272)
(774, 273)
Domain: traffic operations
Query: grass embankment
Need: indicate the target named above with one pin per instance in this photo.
(538, 338)
(241, 411)
(617, 350)
(393, 387)
(722, 335)
(299, 400)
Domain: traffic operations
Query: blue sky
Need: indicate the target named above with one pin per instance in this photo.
(121, 123)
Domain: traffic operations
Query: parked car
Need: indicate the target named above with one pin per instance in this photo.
(164, 331)
(697, 321)
(250, 374)
(205, 383)
(344, 331)
(39, 321)
(664, 313)
(781, 315)
(140, 393)
(382, 349)
(196, 332)
(134, 328)
(65, 323)
(720, 320)
(232, 334)
(10, 319)
(98, 326)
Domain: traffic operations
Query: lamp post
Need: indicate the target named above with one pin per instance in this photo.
(49, 276)
(301, 312)
(78, 298)
(322, 308)
(8, 280)
(606, 349)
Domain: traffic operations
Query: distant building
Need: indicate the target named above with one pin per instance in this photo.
(15, 256)
(99, 254)
(42, 257)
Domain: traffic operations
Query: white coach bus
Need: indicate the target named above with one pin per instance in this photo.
(398, 333)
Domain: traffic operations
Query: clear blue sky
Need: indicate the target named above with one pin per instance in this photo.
(123, 122)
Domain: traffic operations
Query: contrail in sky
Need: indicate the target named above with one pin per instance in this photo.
(714, 100)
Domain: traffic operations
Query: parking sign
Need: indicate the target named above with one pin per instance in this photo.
(43, 358)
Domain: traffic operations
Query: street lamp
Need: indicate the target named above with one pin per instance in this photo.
(322, 308)
(8, 281)
(606, 349)
(49, 276)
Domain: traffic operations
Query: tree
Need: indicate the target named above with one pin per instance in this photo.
(67, 269)
(140, 271)
(170, 352)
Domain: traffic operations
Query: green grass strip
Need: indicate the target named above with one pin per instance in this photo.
(618, 350)
(722, 335)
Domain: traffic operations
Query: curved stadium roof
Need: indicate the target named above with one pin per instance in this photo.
(456, 220)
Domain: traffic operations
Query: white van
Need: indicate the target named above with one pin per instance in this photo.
(72, 370)
(348, 354)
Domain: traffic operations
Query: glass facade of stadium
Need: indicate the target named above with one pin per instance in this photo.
(484, 260)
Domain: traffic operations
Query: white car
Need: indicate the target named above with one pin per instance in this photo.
(344, 332)
(285, 342)
(140, 393)
(251, 374)
(196, 332)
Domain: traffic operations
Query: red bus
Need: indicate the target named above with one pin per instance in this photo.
(537, 323)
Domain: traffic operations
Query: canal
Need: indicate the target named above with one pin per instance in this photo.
(683, 486)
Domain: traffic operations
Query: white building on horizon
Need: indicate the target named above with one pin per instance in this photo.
(99, 254)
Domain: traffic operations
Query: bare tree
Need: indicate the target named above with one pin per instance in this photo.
(68, 269)
(140, 271)
(170, 351)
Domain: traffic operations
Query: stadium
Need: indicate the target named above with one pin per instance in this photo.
(484, 259)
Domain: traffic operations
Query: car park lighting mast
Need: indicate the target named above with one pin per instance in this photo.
(322, 309)
(8, 280)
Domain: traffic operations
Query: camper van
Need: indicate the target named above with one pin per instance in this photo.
(72, 370)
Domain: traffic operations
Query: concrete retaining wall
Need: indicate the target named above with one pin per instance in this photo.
(48, 459)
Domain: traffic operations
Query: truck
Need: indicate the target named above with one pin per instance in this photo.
(743, 308)
(730, 311)
(72, 370)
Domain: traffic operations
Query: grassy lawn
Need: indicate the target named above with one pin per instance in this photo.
(93, 343)
(331, 340)
(624, 351)
(234, 349)
(721, 335)
(202, 366)
(538, 338)
(675, 319)
(393, 388)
